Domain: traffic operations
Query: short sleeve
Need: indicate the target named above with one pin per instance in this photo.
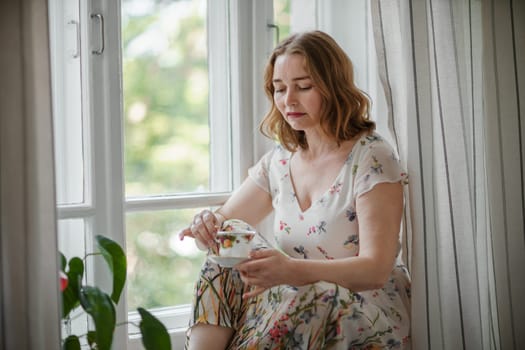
(377, 163)
(259, 173)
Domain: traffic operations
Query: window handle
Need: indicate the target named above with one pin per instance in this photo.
(77, 50)
(101, 31)
(276, 27)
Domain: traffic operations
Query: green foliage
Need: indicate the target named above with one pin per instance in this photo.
(70, 299)
(154, 332)
(101, 309)
(116, 260)
(72, 343)
(100, 306)
(166, 101)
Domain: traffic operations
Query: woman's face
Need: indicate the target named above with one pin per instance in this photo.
(295, 95)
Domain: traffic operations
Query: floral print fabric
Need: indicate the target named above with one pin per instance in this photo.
(321, 315)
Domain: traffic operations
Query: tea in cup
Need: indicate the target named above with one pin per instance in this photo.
(235, 243)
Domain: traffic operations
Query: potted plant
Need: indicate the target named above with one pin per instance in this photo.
(99, 305)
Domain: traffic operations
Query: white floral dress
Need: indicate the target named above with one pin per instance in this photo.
(321, 315)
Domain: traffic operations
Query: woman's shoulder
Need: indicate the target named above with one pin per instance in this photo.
(276, 155)
(374, 142)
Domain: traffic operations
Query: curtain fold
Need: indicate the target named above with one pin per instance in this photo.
(504, 100)
(440, 64)
(30, 298)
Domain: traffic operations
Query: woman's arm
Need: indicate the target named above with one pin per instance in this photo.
(249, 203)
(379, 215)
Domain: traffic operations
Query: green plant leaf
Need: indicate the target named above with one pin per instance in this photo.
(70, 295)
(91, 338)
(63, 262)
(116, 260)
(71, 343)
(154, 334)
(101, 309)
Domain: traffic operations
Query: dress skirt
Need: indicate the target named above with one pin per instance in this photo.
(316, 316)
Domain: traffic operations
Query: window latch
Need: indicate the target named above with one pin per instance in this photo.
(100, 19)
(276, 27)
(77, 34)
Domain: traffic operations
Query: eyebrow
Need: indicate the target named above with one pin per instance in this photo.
(294, 79)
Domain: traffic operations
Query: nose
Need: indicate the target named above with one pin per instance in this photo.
(290, 98)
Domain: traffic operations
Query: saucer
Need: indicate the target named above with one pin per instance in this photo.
(226, 261)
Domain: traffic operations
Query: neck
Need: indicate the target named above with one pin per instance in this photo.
(323, 147)
(320, 149)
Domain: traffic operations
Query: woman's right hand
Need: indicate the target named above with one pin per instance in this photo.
(204, 229)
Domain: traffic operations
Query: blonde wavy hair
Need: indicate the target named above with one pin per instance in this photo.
(345, 108)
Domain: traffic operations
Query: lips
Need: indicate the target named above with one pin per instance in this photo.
(294, 114)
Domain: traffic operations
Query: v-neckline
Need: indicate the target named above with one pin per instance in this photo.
(323, 195)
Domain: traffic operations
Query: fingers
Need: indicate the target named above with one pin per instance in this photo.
(208, 219)
(185, 233)
(251, 279)
(258, 264)
(204, 227)
(248, 275)
(253, 292)
(253, 276)
(262, 253)
(262, 271)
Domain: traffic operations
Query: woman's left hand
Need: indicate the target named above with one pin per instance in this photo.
(266, 268)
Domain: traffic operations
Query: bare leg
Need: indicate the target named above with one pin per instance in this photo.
(209, 337)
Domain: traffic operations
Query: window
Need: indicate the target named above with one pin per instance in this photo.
(177, 149)
(184, 63)
(136, 168)
(156, 107)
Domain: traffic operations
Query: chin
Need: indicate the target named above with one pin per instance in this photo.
(297, 126)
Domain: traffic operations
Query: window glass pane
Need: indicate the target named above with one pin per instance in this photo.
(71, 237)
(281, 9)
(161, 269)
(165, 77)
(67, 103)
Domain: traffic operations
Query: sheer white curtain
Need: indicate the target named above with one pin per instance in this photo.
(29, 295)
(454, 79)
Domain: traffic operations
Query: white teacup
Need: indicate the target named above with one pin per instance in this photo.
(235, 243)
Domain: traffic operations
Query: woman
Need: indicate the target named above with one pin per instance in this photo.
(335, 189)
